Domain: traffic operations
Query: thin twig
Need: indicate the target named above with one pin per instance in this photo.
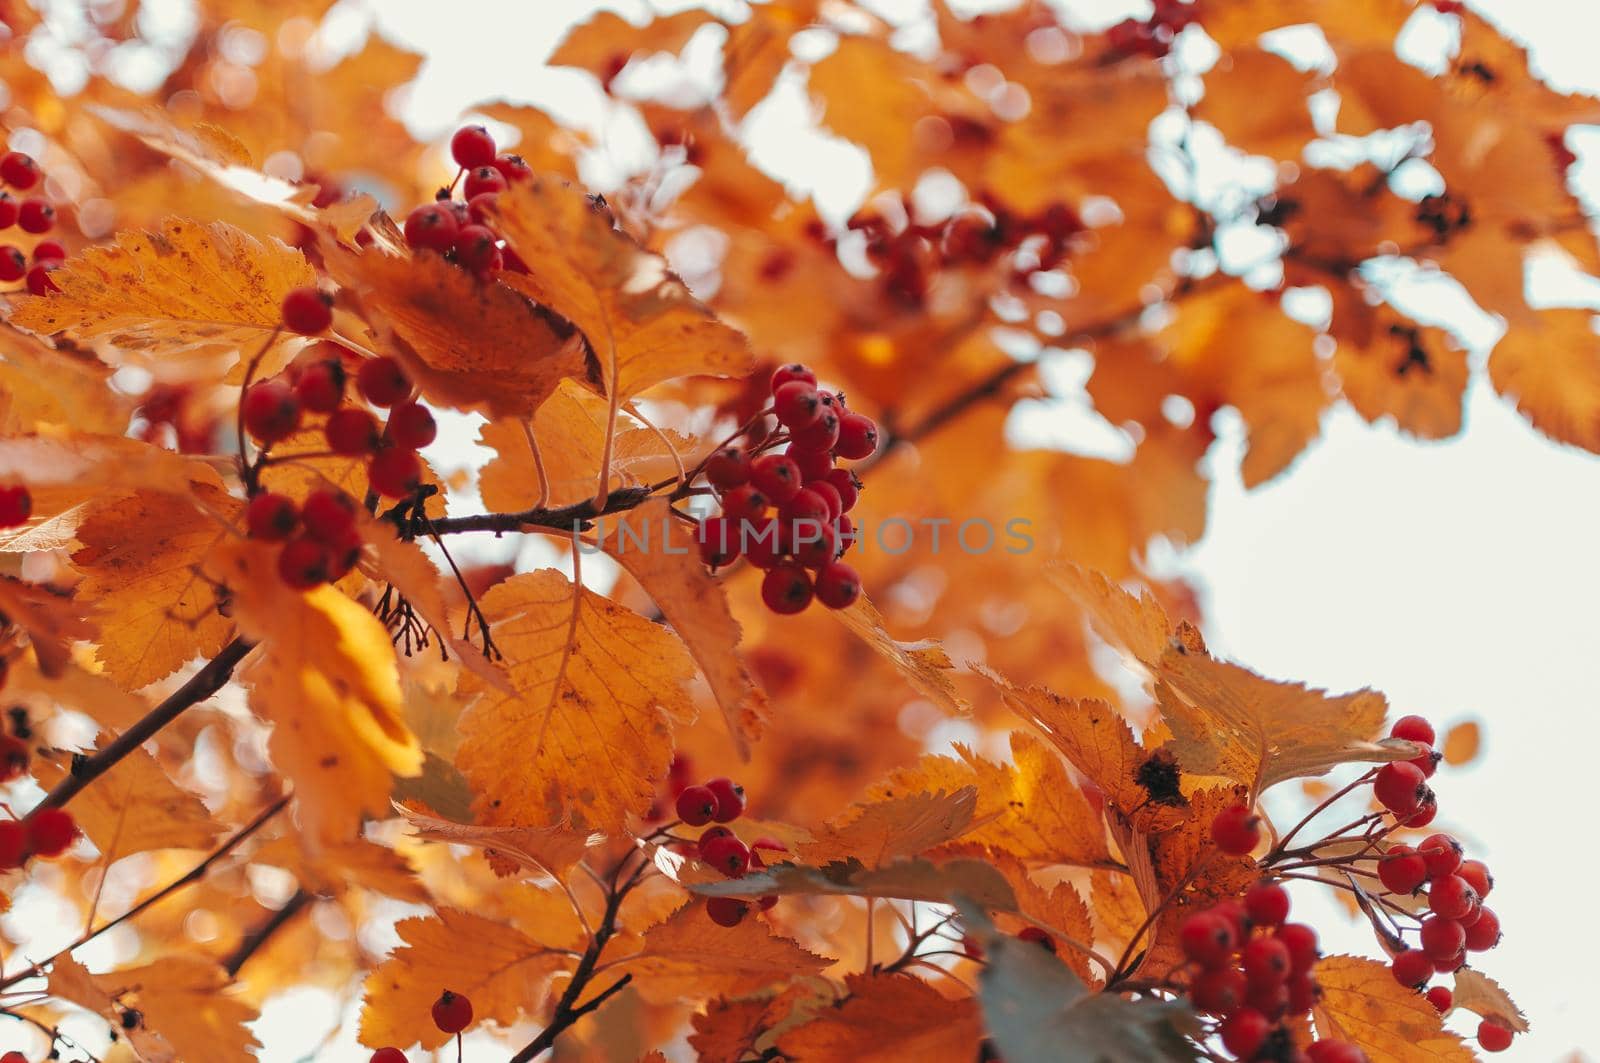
(263, 933)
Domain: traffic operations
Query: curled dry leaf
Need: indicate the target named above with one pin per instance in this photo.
(543, 850)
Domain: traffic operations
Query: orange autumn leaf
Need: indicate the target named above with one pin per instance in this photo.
(1363, 1004)
(1476, 992)
(878, 833)
(187, 289)
(137, 807)
(585, 733)
(688, 954)
(501, 970)
(325, 675)
(889, 1018)
(182, 1006)
(925, 664)
(1462, 743)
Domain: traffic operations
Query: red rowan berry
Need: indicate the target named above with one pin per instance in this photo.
(476, 247)
(805, 505)
(483, 179)
(776, 476)
(726, 911)
(821, 434)
(19, 170)
(395, 473)
(1334, 1052)
(1413, 729)
(388, 1055)
(452, 1012)
(730, 799)
(1236, 830)
(728, 855)
(1428, 762)
(1265, 961)
(814, 465)
(270, 411)
(411, 425)
(697, 806)
(39, 280)
(1267, 904)
(1425, 814)
(763, 543)
(472, 146)
(829, 495)
(1442, 938)
(13, 844)
(14, 755)
(711, 834)
(1303, 993)
(768, 902)
(13, 1057)
(383, 381)
(321, 387)
(795, 371)
(1493, 1037)
(51, 832)
(1244, 1032)
(838, 586)
(343, 555)
(1441, 998)
(513, 168)
(1218, 990)
(272, 517)
(1237, 917)
(36, 216)
(1038, 937)
(1412, 968)
(858, 437)
(1399, 787)
(1450, 897)
(1270, 1000)
(744, 504)
(8, 211)
(352, 431)
(329, 515)
(1442, 854)
(432, 227)
(1484, 933)
(796, 405)
(1207, 938)
(1476, 872)
(1451, 965)
(848, 486)
(815, 545)
(307, 311)
(719, 541)
(1402, 869)
(1302, 943)
(303, 564)
(728, 467)
(16, 505)
(13, 263)
(48, 251)
(786, 588)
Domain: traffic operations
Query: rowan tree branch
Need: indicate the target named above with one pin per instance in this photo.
(263, 933)
(563, 518)
(204, 683)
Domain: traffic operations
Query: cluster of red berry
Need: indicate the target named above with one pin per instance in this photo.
(1457, 922)
(33, 215)
(452, 1013)
(49, 832)
(1153, 36)
(459, 229)
(810, 494)
(319, 535)
(719, 801)
(1251, 969)
(909, 255)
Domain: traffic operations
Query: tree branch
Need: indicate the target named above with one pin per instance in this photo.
(263, 933)
(204, 683)
(562, 518)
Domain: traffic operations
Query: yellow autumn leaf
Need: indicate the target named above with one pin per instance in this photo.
(1029, 808)
(689, 956)
(1258, 101)
(925, 664)
(500, 969)
(1549, 365)
(877, 833)
(641, 322)
(1478, 993)
(605, 42)
(324, 674)
(303, 463)
(136, 807)
(465, 343)
(889, 1018)
(542, 850)
(141, 558)
(183, 1007)
(1363, 1004)
(668, 566)
(584, 737)
(189, 288)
